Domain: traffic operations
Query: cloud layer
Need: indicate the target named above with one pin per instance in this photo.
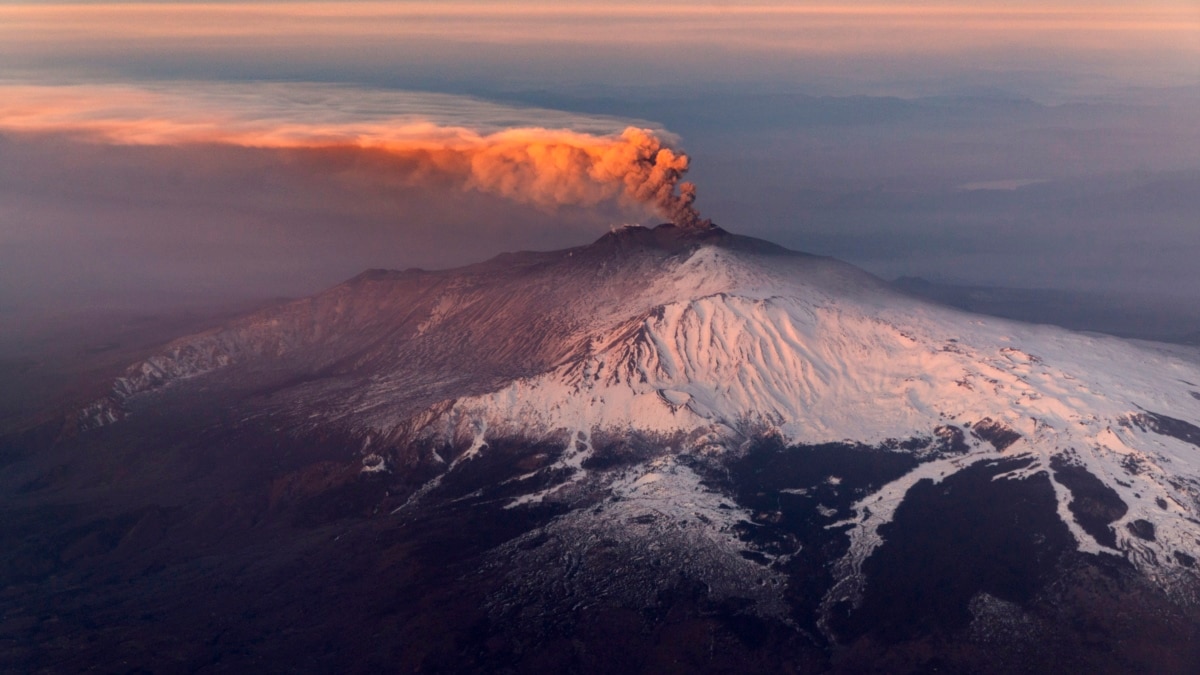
(798, 27)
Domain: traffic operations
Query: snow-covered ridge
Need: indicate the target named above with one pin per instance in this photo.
(772, 351)
(707, 341)
(516, 315)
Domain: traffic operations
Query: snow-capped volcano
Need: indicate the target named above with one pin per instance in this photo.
(628, 378)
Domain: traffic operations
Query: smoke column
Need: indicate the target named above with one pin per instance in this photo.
(549, 168)
(531, 165)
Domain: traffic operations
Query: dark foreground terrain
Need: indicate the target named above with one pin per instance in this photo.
(187, 541)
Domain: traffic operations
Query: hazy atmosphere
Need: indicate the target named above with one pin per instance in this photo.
(600, 337)
(163, 154)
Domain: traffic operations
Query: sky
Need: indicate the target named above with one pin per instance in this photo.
(157, 153)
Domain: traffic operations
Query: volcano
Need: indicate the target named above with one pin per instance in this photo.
(675, 448)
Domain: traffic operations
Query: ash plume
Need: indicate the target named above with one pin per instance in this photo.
(544, 167)
(550, 168)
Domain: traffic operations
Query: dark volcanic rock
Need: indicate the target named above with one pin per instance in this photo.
(801, 491)
(1143, 529)
(996, 433)
(1168, 426)
(1094, 505)
(951, 440)
(950, 541)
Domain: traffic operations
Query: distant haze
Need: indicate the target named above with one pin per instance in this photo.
(1022, 145)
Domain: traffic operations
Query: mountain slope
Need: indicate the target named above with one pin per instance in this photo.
(710, 340)
(779, 428)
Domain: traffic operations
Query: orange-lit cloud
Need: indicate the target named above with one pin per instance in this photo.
(546, 167)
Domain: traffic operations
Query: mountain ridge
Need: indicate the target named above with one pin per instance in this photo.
(684, 333)
(624, 252)
(779, 428)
